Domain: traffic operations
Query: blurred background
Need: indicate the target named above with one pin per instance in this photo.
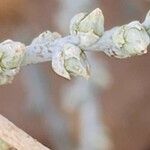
(111, 111)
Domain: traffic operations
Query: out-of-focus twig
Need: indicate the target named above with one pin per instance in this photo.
(17, 138)
(80, 97)
(5, 146)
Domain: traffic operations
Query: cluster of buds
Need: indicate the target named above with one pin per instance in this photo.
(67, 59)
(70, 59)
(67, 54)
(11, 56)
(121, 42)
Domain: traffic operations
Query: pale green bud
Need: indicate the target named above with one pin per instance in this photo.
(11, 56)
(131, 39)
(146, 23)
(45, 38)
(89, 27)
(70, 61)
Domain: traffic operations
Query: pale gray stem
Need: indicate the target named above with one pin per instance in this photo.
(35, 53)
(42, 52)
(105, 43)
(18, 138)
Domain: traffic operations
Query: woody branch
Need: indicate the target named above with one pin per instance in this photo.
(67, 54)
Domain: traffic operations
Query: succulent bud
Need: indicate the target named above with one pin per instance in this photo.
(89, 27)
(70, 60)
(146, 23)
(11, 56)
(45, 38)
(131, 39)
